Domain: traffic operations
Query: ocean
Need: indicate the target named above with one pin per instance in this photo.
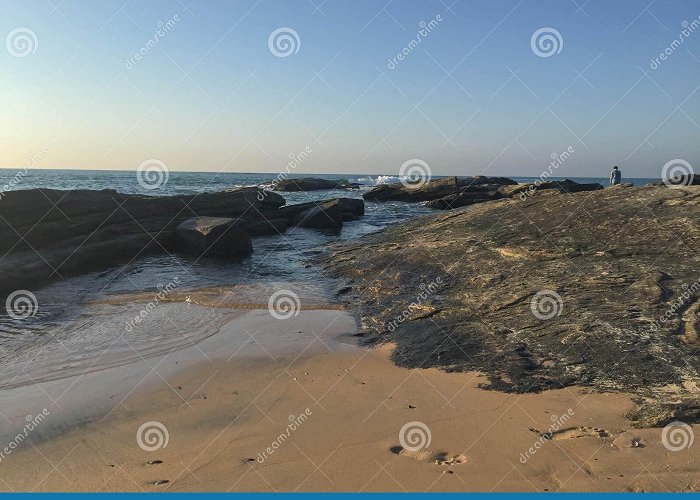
(86, 318)
(196, 182)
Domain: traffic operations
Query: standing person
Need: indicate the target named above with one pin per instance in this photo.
(615, 176)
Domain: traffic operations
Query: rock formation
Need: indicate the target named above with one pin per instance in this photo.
(213, 237)
(455, 192)
(47, 235)
(432, 190)
(310, 184)
(330, 214)
(597, 289)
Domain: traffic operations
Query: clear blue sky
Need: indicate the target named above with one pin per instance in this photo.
(211, 96)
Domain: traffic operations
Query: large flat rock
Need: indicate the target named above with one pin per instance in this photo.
(309, 184)
(46, 235)
(596, 288)
(434, 189)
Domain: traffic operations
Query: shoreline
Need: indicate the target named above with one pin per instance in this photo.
(209, 422)
(78, 393)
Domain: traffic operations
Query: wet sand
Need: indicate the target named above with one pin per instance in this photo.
(294, 405)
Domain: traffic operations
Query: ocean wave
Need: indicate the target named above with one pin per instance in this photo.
(380, 179)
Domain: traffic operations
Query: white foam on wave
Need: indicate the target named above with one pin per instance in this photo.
(380, 179)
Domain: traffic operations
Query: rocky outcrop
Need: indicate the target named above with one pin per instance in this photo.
(329, 214)
(318, 218)
(468, 196)
(213, 237)
(432, 190)
(310, 184)
(679, 180)
(46, 234)
(455, 192)
(348, 208)
(596, 289)
(562, 186)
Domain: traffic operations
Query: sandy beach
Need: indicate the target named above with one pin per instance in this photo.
(350, 246)
(295, 405)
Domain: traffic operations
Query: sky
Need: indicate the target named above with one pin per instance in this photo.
(476, 95)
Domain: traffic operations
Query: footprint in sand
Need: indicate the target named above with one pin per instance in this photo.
(428, 456)
(574, 433)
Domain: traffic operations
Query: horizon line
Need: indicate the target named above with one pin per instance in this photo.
(301, 173)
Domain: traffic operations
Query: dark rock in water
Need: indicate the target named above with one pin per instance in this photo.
(349, 208)
(318, 218)
(328, 214)
(488, 192)
(562, 186)
(214, 237)
(267, 227)
(597, 289)
(288, 212)
(685, 180)
(47, 234)
(468, 196)
(678, 180)
(432, 190)
(310, 184)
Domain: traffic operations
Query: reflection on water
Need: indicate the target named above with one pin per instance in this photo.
(116, 329)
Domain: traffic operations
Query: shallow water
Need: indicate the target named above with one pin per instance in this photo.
(105, 330)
